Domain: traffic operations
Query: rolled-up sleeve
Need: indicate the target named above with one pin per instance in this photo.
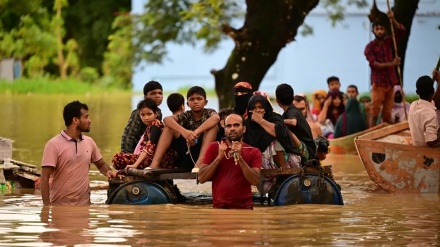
(431, 128)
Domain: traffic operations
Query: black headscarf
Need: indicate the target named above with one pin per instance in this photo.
(241, 101)
(257, 137)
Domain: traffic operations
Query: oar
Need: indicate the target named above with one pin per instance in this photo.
(399, 73)
(434, 98)
(437, 67)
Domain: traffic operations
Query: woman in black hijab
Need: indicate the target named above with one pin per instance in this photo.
(266, 131)
(264, 126)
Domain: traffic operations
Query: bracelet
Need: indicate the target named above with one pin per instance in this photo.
(259, 123)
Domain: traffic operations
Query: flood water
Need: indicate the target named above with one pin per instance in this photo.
(369, 217)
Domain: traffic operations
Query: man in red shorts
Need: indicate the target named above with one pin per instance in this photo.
(233, 166)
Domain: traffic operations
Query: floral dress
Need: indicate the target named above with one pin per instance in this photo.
(148, 144)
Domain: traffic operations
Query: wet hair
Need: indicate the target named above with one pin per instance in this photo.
(71, 110)
(196, 90)
(284, 93)
(148, 103)
(353, 86)
(152, 85)
(175, 101)
(332, 78)
(225, 112)
(425, 87)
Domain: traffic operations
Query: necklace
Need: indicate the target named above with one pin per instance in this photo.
(232, 154)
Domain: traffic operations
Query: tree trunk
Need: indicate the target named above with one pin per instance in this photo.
(268, 27)
(404, 11)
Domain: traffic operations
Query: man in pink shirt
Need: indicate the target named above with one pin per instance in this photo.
(422, 117)
(67, 158)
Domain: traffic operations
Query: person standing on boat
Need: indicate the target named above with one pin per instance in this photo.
(383, 69)
(423, 116)
(67, 158)
(233, 166)
(135, 128)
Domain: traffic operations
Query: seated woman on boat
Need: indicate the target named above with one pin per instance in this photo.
(332, 109)
(318, 98)
(365, 105)
(351, 121)
(144, 152)
(266, 131)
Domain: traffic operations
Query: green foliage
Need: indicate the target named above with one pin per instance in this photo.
(34, 66)
(118, 59)
(89, 74)
(32, 38)
(89, 23)
(33, 27)
(72, 60)
(12, 10)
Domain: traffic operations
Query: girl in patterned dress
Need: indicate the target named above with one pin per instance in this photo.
(144, 152)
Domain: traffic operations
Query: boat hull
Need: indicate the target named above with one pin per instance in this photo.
(346, 145)
(396, 165)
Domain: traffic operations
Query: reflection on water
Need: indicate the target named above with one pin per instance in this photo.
(369, 217)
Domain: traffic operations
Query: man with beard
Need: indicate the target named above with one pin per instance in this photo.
(383, 69)
(233, 166)
(67, 158)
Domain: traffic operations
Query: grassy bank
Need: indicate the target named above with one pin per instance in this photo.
(69, 86)
(53, 86)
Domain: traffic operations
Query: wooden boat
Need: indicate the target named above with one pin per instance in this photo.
(345, 144)
(394, 164)
(17, 174)
(13, 173)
